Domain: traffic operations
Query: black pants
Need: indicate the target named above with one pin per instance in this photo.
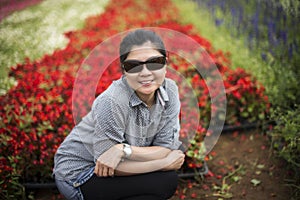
(151, 186)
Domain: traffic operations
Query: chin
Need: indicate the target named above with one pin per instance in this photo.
(147, 91)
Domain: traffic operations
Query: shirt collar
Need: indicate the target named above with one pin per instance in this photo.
(134, 100)
(163, 92)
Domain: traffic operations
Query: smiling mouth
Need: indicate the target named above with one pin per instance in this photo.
(146, 82)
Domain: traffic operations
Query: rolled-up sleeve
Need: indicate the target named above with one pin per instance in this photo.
(109, 125)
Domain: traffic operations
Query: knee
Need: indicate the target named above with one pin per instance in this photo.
(169, 183)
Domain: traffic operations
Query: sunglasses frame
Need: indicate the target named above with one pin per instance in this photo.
(139, 65)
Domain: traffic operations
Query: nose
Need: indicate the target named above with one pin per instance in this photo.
(145, 71)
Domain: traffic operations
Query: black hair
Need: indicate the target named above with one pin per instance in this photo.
(140, 37)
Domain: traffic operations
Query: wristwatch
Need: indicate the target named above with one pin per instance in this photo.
(127, 150)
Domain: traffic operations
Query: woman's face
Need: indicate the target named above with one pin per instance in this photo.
(145, 82)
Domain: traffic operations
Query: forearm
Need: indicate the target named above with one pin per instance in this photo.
(148, 153)
(129, 167)
(108, 164)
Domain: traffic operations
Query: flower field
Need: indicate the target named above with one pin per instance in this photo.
(36, 114)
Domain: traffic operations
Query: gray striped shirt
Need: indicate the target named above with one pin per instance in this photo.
(118, 116)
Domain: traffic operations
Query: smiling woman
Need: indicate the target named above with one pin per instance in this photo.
(145, 77)
(127, 146)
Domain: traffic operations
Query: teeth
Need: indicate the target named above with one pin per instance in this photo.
(145, 82)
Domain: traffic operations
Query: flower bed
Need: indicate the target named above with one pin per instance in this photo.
(36, 115)
(8, 7)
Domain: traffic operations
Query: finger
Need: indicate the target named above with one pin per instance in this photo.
(97, 168)
(104, 171)
(100, 170)
(181, 162)
(182, 159)
(110, 172)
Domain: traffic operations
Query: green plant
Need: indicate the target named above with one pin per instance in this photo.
(286, 135)
(278, 73)
(285, 138)
(223, 191)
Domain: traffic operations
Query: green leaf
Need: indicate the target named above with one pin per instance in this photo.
(190, 154)
(236, 178)
(255, 182)
(192, 141)
(260, 166)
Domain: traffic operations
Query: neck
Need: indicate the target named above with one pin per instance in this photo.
(147, 99)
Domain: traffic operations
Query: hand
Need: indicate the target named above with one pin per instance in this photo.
(108, 161)
(174, 160)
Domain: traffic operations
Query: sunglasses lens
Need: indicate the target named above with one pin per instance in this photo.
(156, 63)
(134, 66)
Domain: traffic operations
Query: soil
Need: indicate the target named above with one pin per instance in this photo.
(252, 170)
(246, 159)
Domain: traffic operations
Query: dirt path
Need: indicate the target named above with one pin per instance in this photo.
(252, 172)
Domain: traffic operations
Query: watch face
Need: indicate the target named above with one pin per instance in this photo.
(127, 150)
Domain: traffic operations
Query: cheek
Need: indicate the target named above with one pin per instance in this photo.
(160, 75)
(131, 79)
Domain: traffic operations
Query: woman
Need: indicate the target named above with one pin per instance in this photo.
(126, 147)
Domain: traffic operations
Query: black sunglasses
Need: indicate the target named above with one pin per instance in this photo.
(152, 64)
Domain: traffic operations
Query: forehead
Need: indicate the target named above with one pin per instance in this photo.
(143, 52)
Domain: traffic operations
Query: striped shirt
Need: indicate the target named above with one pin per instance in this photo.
(119, 116)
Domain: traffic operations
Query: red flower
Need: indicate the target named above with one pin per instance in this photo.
(37, 113)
